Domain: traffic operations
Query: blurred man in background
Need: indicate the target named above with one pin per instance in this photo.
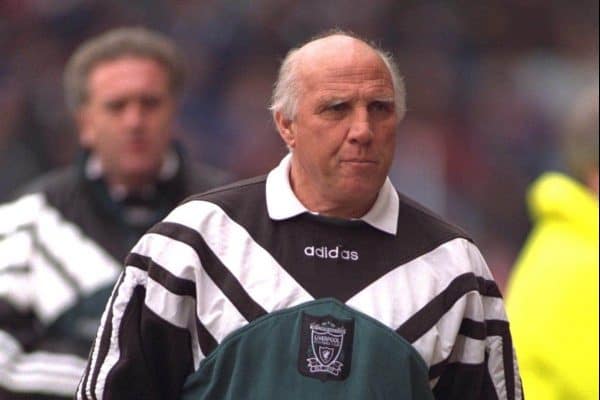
(363, 294)
(63, 239)
(553, 293)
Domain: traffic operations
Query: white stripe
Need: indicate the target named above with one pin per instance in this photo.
(468, 351)
(15, 249)
(84, 260)
(176, 310)
(21, 212)
(15, 286)
(213, 308)
(41, 382)
(50, 363)
(89, 264)
(53, 294)
(496, 366)
(133, 277)
(10, 347)
(438, 343)
(413, 285)
(260, 274)
(518, 383)
(96, 346)
(17, 290)
(180, 259)
(40, 372)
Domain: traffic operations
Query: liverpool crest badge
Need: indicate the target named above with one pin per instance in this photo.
(325, 347)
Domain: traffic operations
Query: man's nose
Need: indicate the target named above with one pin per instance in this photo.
(133, 115)
(361, 131)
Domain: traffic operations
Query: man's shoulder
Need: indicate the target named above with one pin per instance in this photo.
(57, 181)
(234, 198)
(242, 190)
(420, 220)
(242, 201)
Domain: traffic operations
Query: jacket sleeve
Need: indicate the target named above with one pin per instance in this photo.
(147, 343)
(482, 364)
(32, 365)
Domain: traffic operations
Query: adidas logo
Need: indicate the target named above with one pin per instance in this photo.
(334, 253)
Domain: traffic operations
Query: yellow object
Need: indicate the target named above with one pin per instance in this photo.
(552, 297)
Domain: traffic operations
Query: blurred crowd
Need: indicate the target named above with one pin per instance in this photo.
(488, 83)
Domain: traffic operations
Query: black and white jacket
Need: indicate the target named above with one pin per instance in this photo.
(227, 257)
(62, 245)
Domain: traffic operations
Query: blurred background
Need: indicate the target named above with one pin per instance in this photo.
(488, 83)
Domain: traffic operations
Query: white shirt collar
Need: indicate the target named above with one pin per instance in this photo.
(282, 202)
(168, 169)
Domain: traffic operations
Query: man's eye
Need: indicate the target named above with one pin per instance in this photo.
(115, 106)
(381, 106)
(150, 102)
(338, 107)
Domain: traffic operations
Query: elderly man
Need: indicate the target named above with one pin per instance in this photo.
(62, 242)
(317, 281)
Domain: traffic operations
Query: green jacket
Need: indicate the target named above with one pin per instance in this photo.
(351, 355)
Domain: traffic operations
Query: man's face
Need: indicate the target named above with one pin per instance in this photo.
(343, 135)
(127, 118)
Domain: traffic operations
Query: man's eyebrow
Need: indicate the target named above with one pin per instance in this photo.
(384, 99)
(332, 99)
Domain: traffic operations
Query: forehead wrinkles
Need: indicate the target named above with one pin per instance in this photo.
(342, 84)
(340, 77)
(342, 61)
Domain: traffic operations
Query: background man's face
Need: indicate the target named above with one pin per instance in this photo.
(127, 118)
(343, 134)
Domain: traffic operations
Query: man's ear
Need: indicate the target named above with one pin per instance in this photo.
(284, 126)
(85, 128)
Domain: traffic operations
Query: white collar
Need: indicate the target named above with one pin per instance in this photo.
(282, 202)
(168, 169)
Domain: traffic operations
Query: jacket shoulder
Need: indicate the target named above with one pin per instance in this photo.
(55, 185)
(424, 223)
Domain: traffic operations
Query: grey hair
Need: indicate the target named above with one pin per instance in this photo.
(115, 44)
(286, 91)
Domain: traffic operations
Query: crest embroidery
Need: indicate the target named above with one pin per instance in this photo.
(326, 347)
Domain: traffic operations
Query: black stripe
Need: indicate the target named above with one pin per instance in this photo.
(468, 328)
(83, 380)
(154, 357)
(479, 330)
(172, 283)
(488, 288)
(175, 285)
(15, 269)
(104, 341)
(19, 228)
(207, 342)
(57, 265)
(472, 329)
(370, 253)
(222, 277)
(501, 328)
(424, 319)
